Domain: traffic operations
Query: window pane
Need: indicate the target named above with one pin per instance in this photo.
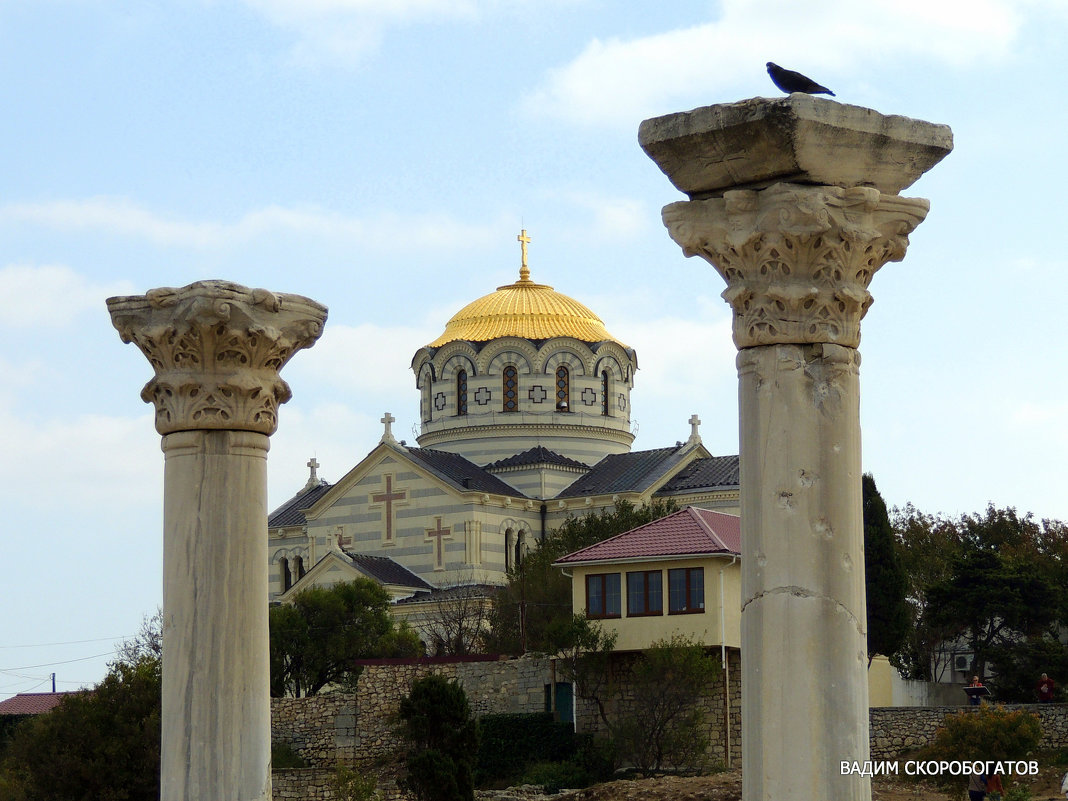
(676, 590)
(656, 592)
(697, 588)
(636, 594)
(595, 595)
(612, 599)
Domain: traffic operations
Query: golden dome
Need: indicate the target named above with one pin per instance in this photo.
(524, 309)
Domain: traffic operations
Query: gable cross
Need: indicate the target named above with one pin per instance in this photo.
(438, 533)
(313, 479)
(387, 434)
(695, 421)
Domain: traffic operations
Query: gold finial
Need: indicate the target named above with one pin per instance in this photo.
(524, 240)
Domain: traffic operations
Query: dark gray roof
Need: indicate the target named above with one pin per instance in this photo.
(448, 593)
(538, 455)
(622, 472)
(460, 472)
(715, 471)
(291, 513)
(386, 571)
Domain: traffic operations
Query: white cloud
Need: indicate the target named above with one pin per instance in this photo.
(347, 31)
(121, 217)
(87, 460)
(613, 218)
(50, 295)
(617, 81)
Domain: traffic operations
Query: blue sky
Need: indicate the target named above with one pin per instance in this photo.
(381, 157)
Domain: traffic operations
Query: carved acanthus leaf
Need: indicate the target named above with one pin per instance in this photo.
(216, 348)
(797, 259)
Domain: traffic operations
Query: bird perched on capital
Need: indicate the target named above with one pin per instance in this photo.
(790, 81)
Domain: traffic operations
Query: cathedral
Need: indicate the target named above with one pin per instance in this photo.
(525, 415)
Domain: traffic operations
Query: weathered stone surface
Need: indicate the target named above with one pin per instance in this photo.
(799, 139)
(797, 259)
(216, 348)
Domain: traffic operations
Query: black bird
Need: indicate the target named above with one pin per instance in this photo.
(790, 81)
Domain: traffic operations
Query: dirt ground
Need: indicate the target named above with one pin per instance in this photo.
(728, 787)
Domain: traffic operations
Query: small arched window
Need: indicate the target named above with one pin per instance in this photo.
(461, 393)
(563, 389)
(604, 393)
(520, 547)
(511, 389)
(284, 573)
(428, 407)
(300, 568)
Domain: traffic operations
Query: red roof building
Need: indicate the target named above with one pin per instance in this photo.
(31, 703)
(679, 575)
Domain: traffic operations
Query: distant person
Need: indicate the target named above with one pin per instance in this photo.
(994, 787)
(977, 787)
(975, 700)
(1045, 689)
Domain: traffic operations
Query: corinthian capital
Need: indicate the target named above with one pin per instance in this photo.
(797, 259)
(217, 348)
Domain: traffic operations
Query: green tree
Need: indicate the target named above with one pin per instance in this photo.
(928, 545)
(316, 638)
(102, 744)
(665, 725)
(437, 722)
(537, 594)
(990, 582)
(993, 602)
(884, 577)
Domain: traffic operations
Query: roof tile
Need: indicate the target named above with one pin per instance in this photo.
(687, 532)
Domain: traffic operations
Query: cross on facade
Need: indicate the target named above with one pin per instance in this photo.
(438, 533)
(388, 497)
(695, 421)
(524, 270)
(387, 434)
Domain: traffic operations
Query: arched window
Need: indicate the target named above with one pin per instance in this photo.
(300, 568)
(509, 549)
(520, 547)
(285, 575)
(461, 393)
(604, 393)
(428, 407)
(563, 389)
(511, 389)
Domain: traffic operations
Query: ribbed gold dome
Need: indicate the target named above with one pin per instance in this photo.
(524, 309)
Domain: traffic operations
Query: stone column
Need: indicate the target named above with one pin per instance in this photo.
(794, 203)
(216, 348)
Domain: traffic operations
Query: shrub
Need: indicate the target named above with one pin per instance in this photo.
(350, 785)
(553, 777)
(988, 733)
(509, 743)
(285, 757)
(444, 737)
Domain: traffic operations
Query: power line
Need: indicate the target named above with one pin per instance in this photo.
(50, 664)
(71, 642)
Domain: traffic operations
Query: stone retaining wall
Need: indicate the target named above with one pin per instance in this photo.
(897, 729)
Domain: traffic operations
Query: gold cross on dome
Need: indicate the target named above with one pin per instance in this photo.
(524, 270)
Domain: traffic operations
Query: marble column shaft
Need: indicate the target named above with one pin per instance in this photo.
(797, 261)
(216, 348)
